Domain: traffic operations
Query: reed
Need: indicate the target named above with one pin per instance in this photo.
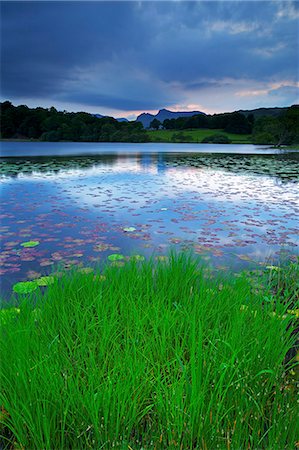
(150, 355)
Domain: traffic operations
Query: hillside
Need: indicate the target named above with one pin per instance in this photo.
(163, 114)
(262, 112)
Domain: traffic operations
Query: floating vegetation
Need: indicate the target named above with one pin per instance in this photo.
(25, 287)
(129, 229)
(44, 281)
(116, 257)
(30, 244)
(238, 210)
(137, 258)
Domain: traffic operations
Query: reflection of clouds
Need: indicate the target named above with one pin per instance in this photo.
(236, 188)
(134, 176)
(119, 166)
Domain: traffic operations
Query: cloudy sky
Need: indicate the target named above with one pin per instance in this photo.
(123, 58)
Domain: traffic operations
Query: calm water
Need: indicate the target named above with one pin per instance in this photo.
(239, 205)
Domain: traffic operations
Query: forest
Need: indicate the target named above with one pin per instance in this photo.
(22, 122)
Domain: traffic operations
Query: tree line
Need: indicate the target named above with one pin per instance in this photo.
(21, 122)
(281, 130)
(230, 122)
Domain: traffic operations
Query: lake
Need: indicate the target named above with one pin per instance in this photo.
(235, 205)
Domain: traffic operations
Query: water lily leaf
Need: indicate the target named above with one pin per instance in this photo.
(30, 244)
(129, 229)
(162, 258)
(137, 258)
(118, 263)
(25, 287)
(115, 257)
(44, 281)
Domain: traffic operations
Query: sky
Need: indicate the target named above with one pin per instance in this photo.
(124, 58)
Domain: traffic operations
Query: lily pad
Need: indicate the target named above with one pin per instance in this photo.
(129, 229)
(44, 281)
(137, 258)
(117, 263)
(115, 257)
(25, 287)
(30, 244)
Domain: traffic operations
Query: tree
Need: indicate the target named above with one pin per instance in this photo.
(238, 123)
(281, 130)
(155, 123)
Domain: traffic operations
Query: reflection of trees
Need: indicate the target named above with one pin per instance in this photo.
(284, 167)
(14, 166)
(153, 159)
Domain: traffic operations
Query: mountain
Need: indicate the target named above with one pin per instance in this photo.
(146, 118)
(120, 119)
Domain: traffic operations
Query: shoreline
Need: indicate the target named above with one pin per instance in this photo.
(282, 147)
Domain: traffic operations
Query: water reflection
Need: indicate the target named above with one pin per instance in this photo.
(232, 209)
(284, 167)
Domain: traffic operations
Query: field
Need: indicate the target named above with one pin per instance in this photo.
(196, 135)
(152, 354)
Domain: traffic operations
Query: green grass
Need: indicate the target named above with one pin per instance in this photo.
(151, 355)
(197, 135)
(292, 147)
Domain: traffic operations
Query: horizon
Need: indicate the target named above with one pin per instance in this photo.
(122, 59)
(145, 112)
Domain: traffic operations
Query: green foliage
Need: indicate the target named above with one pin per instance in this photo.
(181, 137)
(116, 257)
(29, 244)
(52, 125)
(281, 130)
(155, 123)
(217, 139)
(238, 123)
(25, 287)
(197, 135)
(152, 355)
(230, 122)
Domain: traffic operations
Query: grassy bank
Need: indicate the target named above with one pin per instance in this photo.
(196, 135)
(151, 355)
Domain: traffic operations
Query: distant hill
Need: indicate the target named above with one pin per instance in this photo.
(146, 118)
(120, 119)
(260, 112)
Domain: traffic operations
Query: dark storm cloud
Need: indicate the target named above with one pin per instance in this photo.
(135, 56)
